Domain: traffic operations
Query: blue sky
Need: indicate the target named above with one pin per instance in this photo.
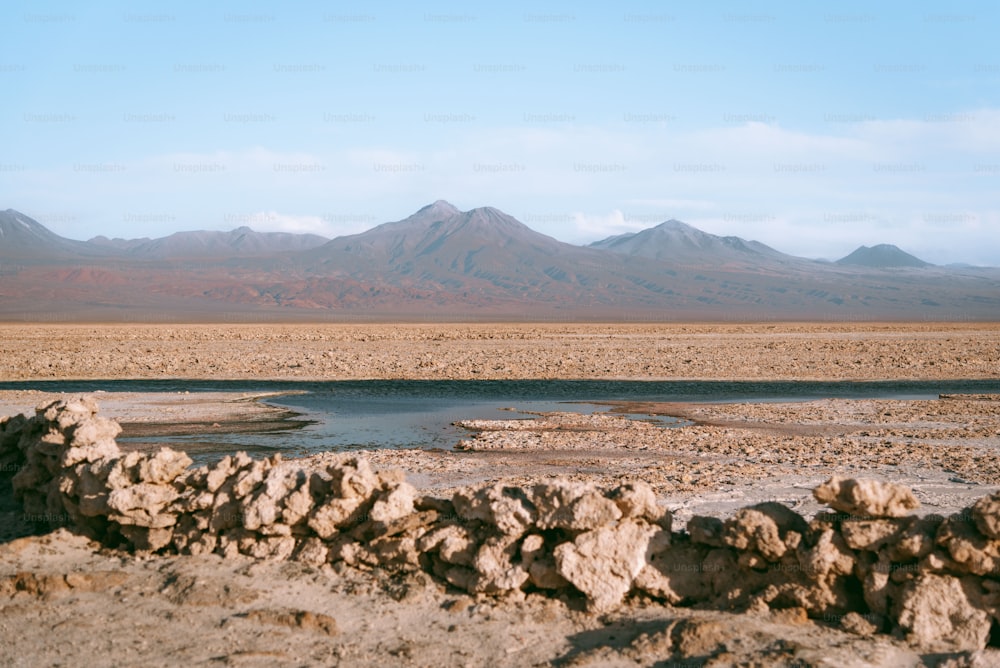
(813, 127)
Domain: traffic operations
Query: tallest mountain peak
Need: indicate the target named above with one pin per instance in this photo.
(441, 207)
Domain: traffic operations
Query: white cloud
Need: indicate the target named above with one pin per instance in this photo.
(973, 131)
(927, 183)
(591, 227)
(771, 142)
(272, 221)
(674, 204)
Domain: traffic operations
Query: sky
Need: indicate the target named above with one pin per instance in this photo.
(812, 127)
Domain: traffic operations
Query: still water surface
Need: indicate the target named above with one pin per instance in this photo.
(348, 415)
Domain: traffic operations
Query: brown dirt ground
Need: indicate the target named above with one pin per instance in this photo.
(66, 602)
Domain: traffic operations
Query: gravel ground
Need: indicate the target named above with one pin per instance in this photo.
(636, 352)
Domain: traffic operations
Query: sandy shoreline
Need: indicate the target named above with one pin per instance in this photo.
(206, 610)
(160, 407)
(151, 414)
(727, 455)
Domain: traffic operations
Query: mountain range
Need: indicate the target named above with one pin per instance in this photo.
(241, 242)
(443, 263)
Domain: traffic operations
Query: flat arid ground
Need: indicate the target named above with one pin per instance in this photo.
(66, 601)
(825, 351)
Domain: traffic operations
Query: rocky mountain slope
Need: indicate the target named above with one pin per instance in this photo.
(24, 240)
(677, 242)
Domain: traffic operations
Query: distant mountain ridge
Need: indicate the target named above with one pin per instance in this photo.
(679, 242)
(437, 227)
(671, 241)
(441, 262)
(482, 251)
(241, 242)
(23, 239)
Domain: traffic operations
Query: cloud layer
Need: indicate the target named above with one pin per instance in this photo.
(925, 184)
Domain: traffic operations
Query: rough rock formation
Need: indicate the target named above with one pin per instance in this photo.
(866, 498)
(933, 580)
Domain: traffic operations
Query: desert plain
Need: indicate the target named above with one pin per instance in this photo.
(67, 600)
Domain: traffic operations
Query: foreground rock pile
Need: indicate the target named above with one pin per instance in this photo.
(870, 565)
